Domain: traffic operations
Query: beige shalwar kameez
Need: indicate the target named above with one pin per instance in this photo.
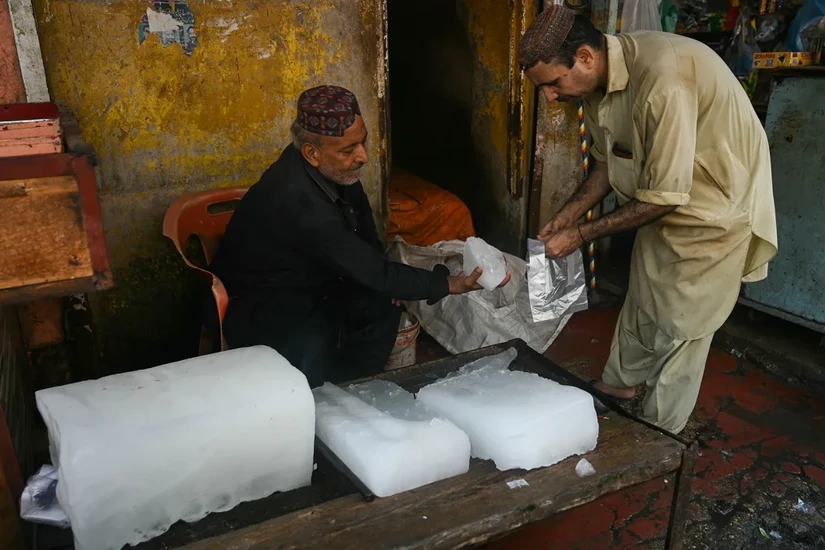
(676, 128)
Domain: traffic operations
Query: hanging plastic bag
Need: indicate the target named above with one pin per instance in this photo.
(770, 26)
(739, 56)
(556, 285)
(670, 15)
(641, 15)
(38, 503)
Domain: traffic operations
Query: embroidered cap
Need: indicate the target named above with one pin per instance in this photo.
(545, 36)
(327, 110)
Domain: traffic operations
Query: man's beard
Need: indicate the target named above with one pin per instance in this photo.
(342, 177)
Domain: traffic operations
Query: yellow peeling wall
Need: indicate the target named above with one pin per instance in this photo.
(165, 124)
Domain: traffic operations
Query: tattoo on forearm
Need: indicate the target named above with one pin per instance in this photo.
(630, 216)
(591, 192)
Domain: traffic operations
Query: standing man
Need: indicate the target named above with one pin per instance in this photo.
(675, 136)
(301, 258)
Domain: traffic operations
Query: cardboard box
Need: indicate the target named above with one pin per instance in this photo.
(775, 60)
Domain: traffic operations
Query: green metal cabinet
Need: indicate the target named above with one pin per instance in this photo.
(795, 124)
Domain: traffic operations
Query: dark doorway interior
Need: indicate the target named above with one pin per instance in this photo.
(431, 93)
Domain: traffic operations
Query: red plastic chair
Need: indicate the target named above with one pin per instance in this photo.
(197, 214)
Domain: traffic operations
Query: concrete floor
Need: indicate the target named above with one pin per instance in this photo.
(762, 451)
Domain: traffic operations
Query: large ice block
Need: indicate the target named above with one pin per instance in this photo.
(478, 253)
(394, 446)
(137, 452)
(517, 419)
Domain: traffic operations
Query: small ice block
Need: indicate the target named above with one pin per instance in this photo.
(517, 419)
(584, 468)
(395, 445)
(478, 253)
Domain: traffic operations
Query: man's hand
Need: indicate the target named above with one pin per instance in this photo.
(461, 283)
(398, 303)
(562, 243)
(557, 223)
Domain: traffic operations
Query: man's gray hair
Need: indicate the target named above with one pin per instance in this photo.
(300, 136)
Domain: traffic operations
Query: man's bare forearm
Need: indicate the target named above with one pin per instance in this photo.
(589, 194)
(630, 216)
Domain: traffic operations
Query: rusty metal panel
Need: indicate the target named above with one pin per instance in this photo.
(498, 122)
(604, 14)
(795, 125)
(522, 101)
(557, 171)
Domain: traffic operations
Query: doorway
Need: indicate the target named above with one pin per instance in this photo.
(431, 93)
(450, 106)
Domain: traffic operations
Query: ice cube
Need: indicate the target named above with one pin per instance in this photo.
(139, 451)
(394, 446)
(478, 253)
(584, 468)
(517, 419)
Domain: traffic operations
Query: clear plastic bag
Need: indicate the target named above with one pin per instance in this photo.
(556, 285)
(38, 503)
(670, 15)
(739, 56)
(769, 28)
(641, 15)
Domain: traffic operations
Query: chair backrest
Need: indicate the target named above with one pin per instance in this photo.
(204, 215)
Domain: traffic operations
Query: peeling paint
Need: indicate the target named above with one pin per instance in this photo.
(161, 22)
(47, 12)
(232, 28)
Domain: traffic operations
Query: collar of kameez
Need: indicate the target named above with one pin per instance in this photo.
(617, 75)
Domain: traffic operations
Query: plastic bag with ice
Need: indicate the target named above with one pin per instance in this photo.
(38, 503)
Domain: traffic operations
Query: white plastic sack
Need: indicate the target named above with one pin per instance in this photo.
(477, 319)
(139, 451)
(641, 15)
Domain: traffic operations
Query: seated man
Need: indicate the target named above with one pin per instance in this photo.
(301, 258)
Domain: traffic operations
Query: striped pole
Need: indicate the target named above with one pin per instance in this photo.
(591, 246)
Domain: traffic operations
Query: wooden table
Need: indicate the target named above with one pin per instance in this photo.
(458, 512)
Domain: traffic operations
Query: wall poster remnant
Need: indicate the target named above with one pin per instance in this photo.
(173, 22)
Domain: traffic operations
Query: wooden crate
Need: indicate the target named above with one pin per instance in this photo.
(51, 231)
(30, 129)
